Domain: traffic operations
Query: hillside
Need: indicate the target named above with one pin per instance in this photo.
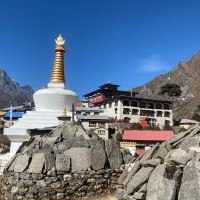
(186, 74)
(11, 91)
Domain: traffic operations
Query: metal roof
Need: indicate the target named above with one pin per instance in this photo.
(188, 121)
(89, 109)
(92, 117)
(147, 135)
(14, 115)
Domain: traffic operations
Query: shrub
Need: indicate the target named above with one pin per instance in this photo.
(171, 89)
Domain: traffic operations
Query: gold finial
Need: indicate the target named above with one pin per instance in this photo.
(60, 40)
(58, 69)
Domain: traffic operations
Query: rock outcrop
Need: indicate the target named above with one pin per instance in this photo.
(11, 91)
(68, 163)
(168, 171)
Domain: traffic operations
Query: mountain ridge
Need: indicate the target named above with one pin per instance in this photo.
(186, 74)
(11, 92)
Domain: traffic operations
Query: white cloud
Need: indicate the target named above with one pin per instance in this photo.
(152, 63)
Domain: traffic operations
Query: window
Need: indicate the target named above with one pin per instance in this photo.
(151, 105)
(158, 106)
(167, 123)
(126, 119)
(87, 113)
(126, 103)
(142, 104)
(101, 132)
(116, 103)
(152, 121)
(134, 104)
(149, 113)
(96, 113)
(115, 110)
(134, 111)
(159, 113)
(101, 124)
(92, 124)
(78, 112)
(166, 106)
(126, 111)
(167, 114)
(110, 104)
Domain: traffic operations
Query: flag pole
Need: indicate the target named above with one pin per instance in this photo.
(11, 111)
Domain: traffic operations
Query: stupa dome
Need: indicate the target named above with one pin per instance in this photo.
(54, 99)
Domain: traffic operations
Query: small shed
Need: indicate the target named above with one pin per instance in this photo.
(144, 139)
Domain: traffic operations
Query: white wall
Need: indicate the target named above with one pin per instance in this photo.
(110, 111)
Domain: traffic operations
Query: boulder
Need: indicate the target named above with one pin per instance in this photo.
(98, 156)
(179, 156)
(123, 176)
(152, 163)
(162, 152)
(190, 182)
(68, 131)
(57, 132)
(62, 147)
(189, 142)
(78, 141)
(80, 158)
(21, 163)
(139, 195)
(132, 172)
(159, 187)
(37, 163)
(81, 132)
(139, 179)
(62, 162)
(49, 141)
(114, 154)
(49, 161)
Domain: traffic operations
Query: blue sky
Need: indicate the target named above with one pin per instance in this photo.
(127, 42)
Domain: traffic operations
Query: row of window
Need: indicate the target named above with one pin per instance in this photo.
(141, 104)
(95, 124)
(86, 113)
(149, 113)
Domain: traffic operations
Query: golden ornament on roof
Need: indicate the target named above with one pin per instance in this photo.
(60, 40)
(57, 75)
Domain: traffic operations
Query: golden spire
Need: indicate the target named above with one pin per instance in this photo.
(57, 75)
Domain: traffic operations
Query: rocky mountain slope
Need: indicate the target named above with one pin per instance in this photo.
(186, 74)
(11, 91)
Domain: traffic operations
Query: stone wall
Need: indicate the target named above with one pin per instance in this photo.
(59, 185)
(170, 171)
(68, 163)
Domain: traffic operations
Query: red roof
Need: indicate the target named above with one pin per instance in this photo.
(147, 135)
(79, 104)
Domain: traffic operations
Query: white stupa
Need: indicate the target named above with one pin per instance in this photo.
(50, 103)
